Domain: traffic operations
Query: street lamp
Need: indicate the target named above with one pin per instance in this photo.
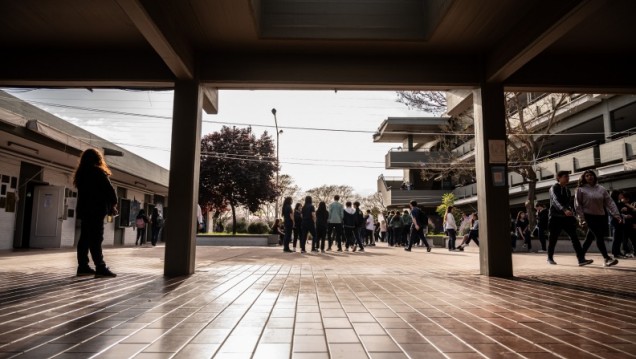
(277, 161)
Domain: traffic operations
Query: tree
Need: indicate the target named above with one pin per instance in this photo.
(237, 169)
(287, 188)
(374, 202)
(327, 192)
(523, 121)
(529, 122)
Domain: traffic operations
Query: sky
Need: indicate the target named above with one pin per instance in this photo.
(140, 121)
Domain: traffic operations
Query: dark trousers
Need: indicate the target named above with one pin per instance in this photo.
(297, 234)
(396, 237)
(416, 236)
(596, 226)
(541, 236)
(141, 236)
(91, 238)
(335, 232)
(289, 228)
(307, 228)
(619, 237)
(568, 225)
(352, 237)
(473, 235)
(155, 234)
(405, 234)
(319, 240)
(452, 238)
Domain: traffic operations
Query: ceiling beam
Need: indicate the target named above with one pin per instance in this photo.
(175, 53)
(577, 74)
(300, 71)
(540, 29)
(210, 100)
(84, 68)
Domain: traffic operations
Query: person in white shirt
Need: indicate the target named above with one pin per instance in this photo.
(370, 227)
(450, 227)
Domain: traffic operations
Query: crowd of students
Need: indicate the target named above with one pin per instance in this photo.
(347, 226)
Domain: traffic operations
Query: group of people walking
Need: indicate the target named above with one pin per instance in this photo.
(592, 204)
(346, 226)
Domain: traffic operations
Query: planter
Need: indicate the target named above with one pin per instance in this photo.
(251, 240)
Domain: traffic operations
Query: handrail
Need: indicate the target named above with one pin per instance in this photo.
(568, 150)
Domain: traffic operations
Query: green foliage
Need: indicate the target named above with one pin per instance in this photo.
(258, 228)
(448, 199)
(241, 227)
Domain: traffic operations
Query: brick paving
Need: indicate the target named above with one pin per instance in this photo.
(262, 303)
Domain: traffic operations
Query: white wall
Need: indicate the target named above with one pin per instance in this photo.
(8, 167)
(58, 178)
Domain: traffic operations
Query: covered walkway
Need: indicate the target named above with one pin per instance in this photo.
(261, 303)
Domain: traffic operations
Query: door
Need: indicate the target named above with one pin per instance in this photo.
(46, 222)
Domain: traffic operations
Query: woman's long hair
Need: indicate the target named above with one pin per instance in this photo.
(473, 219)
(322, 208)
(582, 180)
(519, 214)
(449, 209)
(90, 158)
(308, 201)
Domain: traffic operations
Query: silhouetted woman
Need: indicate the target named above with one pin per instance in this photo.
(141, 222)
(298, 220)
(322, 216)
(521, 228)
(288, 220)
(96, 198)
(308, 223)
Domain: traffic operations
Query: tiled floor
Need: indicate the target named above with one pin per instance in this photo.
(262, 303)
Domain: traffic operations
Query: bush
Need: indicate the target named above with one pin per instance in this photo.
(241, 227)
(258, 228)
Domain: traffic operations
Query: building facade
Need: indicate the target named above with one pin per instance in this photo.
(38, 154)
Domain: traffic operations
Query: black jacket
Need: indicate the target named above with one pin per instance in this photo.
(560, 200)
(95, 194)
(349, 219)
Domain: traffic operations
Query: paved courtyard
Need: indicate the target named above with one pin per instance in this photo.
(262, 303)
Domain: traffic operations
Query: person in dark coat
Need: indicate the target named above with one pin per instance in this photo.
(96, 198)
(322, 218)
(141, 222)
(156, 223)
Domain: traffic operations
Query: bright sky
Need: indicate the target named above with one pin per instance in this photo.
(311, 157)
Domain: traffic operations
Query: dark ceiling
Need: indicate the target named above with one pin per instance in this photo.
(525, 44)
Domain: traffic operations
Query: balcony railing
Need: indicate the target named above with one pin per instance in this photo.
(415, 159)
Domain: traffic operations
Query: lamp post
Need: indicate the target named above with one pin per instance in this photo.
(277, 162)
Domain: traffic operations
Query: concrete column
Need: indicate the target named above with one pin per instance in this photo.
(608, 121)
(183, 192)
(495, 252)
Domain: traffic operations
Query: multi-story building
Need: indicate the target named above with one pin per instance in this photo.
(590, 131)
(38, 154)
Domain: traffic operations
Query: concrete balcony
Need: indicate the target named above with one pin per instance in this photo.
(393, 196)
(414, 159)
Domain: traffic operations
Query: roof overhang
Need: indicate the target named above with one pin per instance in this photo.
(398, 129)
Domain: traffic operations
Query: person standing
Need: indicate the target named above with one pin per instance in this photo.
(418, 228)
(96, 198)
(288, 221)
(156, 222)
(396, 227)
(383, 229)
(561, 218)
(591, 200)
(370, 228)
(629, 213)
(141, 221)
(406, 228)
(308, 223)
(521, 228)
(336, 214)
(322, 218)
(542, 225)
(357, 232)
(450, 227)
(349, 224)
(389, 229)
(298, 221)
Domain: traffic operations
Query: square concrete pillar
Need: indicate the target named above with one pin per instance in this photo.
(495, 252)
(183, 192)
